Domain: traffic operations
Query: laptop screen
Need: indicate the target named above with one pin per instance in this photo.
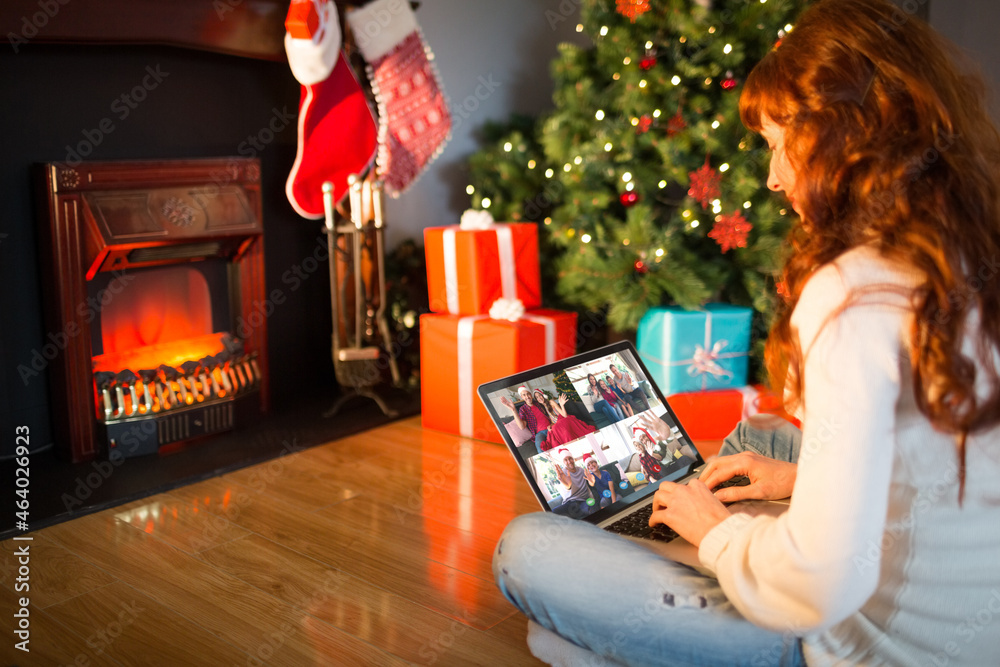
(591, 433)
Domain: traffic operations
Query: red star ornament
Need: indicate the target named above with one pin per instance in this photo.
(632, 8)
(643, 125)
(730, 231)
(704, 184)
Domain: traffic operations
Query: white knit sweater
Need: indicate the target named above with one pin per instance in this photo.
(874, 563)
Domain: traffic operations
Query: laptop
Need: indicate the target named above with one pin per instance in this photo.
(621, 445)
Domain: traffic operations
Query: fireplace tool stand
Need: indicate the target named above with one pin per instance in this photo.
(357, 300)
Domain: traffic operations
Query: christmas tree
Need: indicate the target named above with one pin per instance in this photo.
(647, 188)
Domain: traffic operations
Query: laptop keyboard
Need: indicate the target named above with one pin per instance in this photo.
(636, 524)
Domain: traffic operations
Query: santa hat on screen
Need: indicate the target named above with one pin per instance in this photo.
(337, 134)
(639, 428)
(564, 452)
(587, 458)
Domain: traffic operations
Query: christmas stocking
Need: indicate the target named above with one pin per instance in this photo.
(337, 132)
(414, 122)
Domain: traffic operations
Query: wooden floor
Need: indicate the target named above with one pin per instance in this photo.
(371, 550)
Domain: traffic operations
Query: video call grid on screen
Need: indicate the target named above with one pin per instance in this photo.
(613, 443)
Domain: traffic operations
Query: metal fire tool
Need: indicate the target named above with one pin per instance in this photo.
(355, 363)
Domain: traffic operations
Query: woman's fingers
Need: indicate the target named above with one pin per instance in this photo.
(723, 468)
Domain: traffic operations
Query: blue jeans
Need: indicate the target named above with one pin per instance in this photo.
(622, 601)
(612, 413)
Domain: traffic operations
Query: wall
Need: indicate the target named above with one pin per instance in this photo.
(972, 25)
(492, 63)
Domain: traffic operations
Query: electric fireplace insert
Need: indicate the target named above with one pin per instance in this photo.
(154, 282)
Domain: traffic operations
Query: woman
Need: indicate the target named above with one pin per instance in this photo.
(612, 399)
(888, 346)
(565, 427)
(620, 394)
(593, 392)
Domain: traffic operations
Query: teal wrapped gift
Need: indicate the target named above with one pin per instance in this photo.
(695, 350)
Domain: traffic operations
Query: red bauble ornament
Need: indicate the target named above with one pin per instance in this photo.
(676, 124)
(643, 125)
(729, 82)
(632, 8)
(628, 198)
(647, 63)
(704, 184)
(640, 266)
(730, 231)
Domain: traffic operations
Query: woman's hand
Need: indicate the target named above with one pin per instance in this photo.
(769, 479)
(655, 425)
(562, 400)
(690, 509)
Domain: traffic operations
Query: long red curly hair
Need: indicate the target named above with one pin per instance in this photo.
(892, 146)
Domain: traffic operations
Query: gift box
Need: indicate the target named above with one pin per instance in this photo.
(469, 269)
(458, 353)
(696, 350)
(708, 415)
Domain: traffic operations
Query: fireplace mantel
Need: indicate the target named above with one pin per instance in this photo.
(248, 28)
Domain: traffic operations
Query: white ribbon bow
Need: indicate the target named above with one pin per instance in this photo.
(476, 219)
(507, 309)
(706, 361)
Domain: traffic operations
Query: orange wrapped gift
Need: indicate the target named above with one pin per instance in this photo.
(458, 353)
(469, 269)
(708, 415)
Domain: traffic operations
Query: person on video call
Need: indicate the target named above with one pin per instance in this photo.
(624, 381)
(530, 415)
(579, 503)
(887, 348)
(564, 427)
(593, 392)
(602, 487)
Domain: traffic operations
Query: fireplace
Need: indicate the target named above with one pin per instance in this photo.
(154, 281)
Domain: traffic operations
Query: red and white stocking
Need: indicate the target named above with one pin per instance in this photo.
(414, 122)
(337, 134)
